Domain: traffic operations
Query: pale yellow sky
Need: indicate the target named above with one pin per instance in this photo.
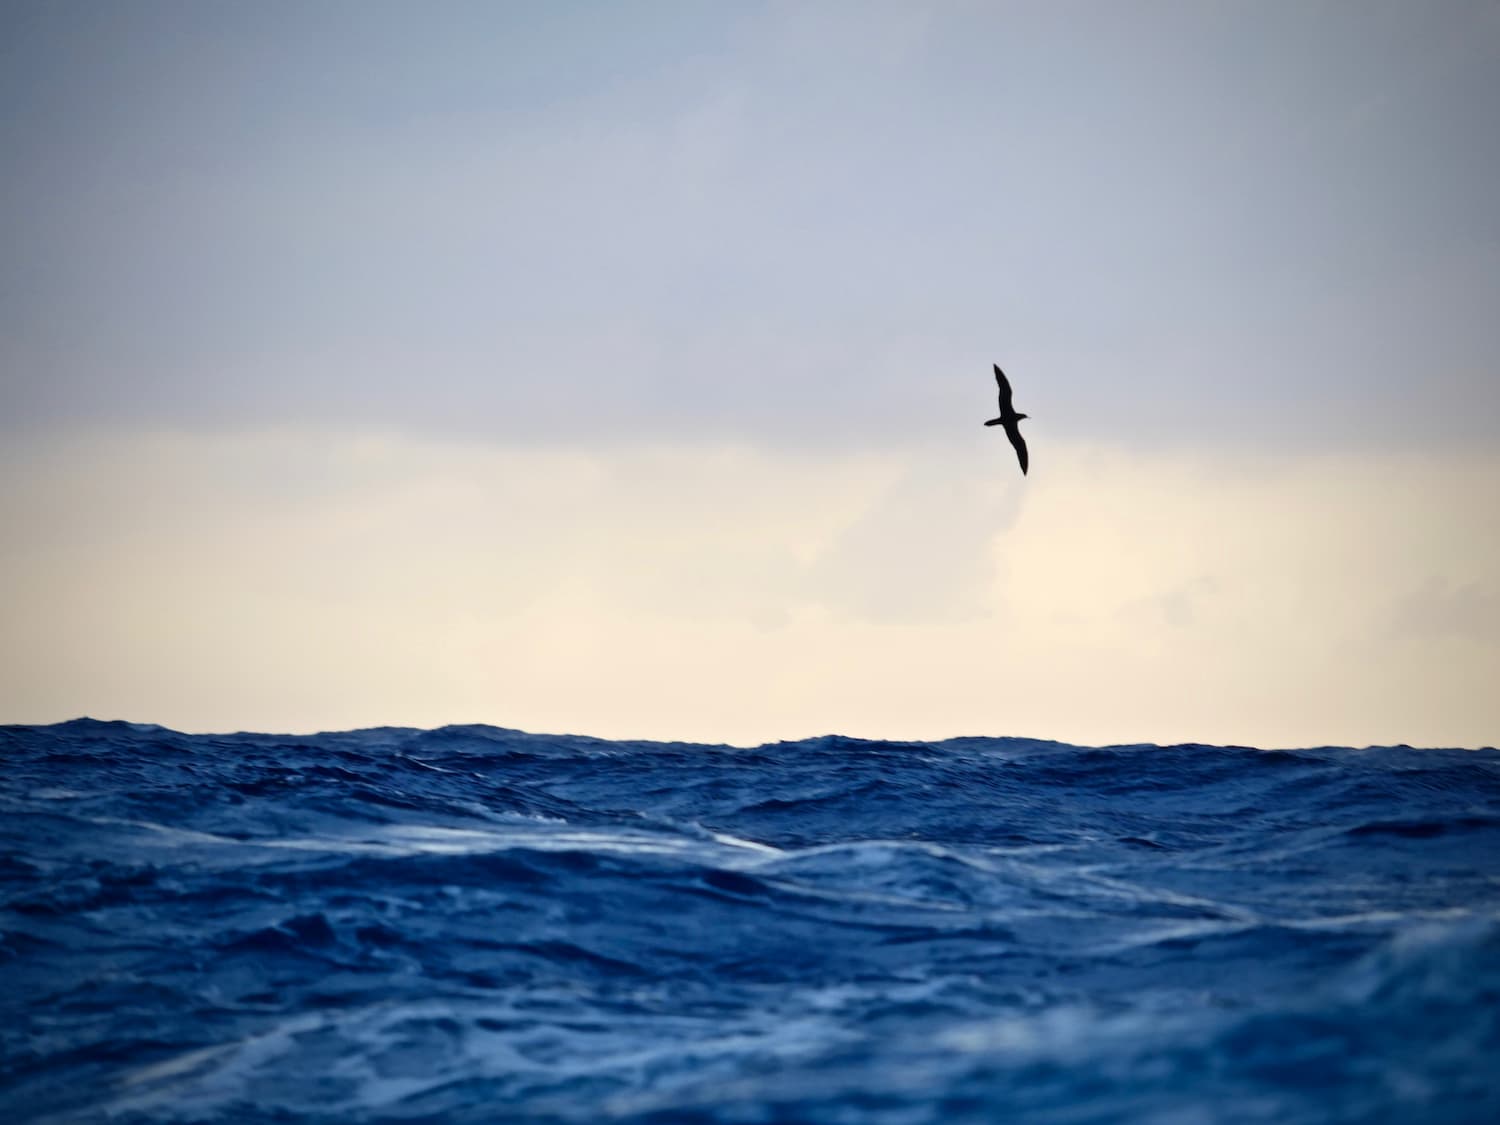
(302, 580)
(620, 368)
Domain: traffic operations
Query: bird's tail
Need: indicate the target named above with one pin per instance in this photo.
(994, 421)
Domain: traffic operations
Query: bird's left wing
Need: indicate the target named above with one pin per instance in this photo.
(1004, 385)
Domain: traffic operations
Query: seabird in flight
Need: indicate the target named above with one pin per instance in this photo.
(1009, 418)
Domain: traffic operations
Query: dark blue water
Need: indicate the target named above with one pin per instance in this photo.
(478, 925)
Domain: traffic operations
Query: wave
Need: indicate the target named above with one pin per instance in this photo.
(470, 923)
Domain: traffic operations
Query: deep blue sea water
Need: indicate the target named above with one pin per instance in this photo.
(481, 925)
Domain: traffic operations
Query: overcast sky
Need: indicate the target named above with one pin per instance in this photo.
(620, 367)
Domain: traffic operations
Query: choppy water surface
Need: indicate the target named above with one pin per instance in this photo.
(476, 925)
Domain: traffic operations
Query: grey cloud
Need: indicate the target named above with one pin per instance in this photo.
(789, 226)
(1440, 608)
(924, 551)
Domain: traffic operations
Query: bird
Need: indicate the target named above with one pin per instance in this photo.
(1010, 419)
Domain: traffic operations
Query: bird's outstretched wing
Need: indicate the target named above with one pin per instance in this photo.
(1014, 433)
(1004, 385)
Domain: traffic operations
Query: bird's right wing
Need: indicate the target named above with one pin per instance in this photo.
(1014, 433)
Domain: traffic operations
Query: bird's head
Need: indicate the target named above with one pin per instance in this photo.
(1020, 416)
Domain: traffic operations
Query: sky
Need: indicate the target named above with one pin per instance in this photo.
(619, 369)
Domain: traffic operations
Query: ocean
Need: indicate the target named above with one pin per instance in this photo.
(474, 924)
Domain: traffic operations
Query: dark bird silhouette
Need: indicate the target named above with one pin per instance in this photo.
(1010, 419)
